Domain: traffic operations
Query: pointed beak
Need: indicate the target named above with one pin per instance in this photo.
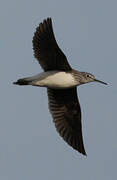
(100, 81)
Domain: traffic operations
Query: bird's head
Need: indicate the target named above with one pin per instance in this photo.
(87, 77)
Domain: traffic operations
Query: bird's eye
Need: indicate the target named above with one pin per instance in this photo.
(88, 76)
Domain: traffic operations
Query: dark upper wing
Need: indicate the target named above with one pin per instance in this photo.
(46, 49)
(66, 112)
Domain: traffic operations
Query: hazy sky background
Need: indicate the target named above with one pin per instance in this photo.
(30, 147)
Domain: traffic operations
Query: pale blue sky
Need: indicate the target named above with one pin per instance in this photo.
(30, 147)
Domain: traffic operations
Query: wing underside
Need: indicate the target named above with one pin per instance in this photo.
(66, 113)
(46, 49)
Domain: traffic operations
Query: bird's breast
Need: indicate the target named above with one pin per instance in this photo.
(55, 80)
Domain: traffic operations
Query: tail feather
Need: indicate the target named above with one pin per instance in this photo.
(21, 82)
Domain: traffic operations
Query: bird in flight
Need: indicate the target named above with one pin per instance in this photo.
(61, 81)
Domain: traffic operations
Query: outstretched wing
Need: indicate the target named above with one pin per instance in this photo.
(46, 50)
(65, 109)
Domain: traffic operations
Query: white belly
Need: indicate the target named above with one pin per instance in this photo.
(54, 79)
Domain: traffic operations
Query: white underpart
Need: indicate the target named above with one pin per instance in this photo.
(53, 79)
